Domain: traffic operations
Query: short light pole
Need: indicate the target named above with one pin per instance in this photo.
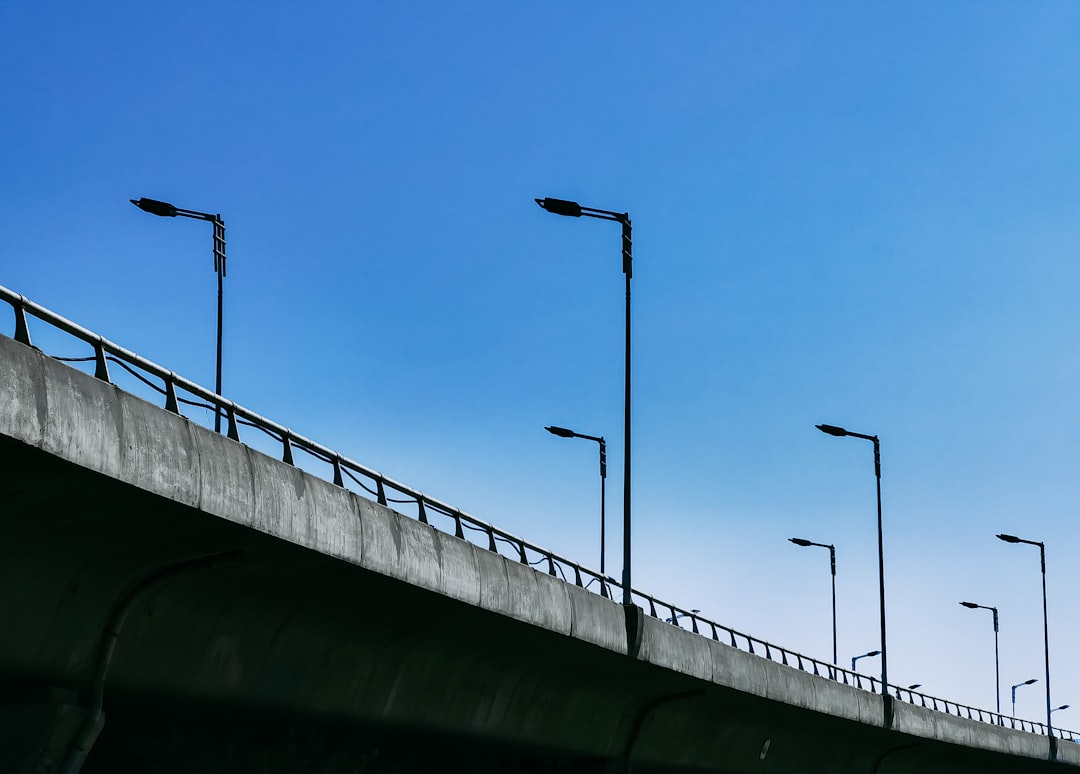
(1032, 681)
(166, 210)
(575, 210)
(840, 432)
(676, 616)
(997, 662)
(864, 655)
(832, 565)
(1046, 629)
(563, 432)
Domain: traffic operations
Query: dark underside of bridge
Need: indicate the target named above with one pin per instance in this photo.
(267, 657)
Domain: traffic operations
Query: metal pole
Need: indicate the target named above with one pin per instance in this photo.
(881, 566)
(832, 560)
(997, 662)
(219, 267)
(603, 527)
(627, 270)
(1046, 641)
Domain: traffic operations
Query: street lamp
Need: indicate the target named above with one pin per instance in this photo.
(563, 432)
(575, 210)
(911, 687)
(1063, 706)
(1032, 681)
(1046, 629)
(840, 432)
(997, 663)
(864, 655)
(832, 565)
(676, 616)
(166, 210)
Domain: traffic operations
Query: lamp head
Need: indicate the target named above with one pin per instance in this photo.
(1031, 681)
(800, 542)
(913, 687)
(561, 207)
(839, 432)
(562, 432)
(972, 605)
(874, 653)
(1009, 538)
(1063, 706)
(155, 207)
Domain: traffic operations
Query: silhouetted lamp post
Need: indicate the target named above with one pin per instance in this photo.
(1046, 629)
(997, 667)
(840, 432)
(563, 432)
(1032, 681)
(676, 616)
(166, 210)
(575, 210)
(832, 565)
(864, 655)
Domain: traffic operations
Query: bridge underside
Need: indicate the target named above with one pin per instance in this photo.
(273, 657)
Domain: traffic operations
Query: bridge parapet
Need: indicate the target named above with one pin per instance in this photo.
(92, 423)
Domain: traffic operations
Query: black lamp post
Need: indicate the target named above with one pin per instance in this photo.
(911, 687)
(1032, 681)
(1046, 629)
(166, 210)
(864, 655)
(563, 432)
(840, 432)
(997, 663)
(832, 565)
(676, 616)
(575, 210)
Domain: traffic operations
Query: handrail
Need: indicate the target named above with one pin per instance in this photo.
(106, 352)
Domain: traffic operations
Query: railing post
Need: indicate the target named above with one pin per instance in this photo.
(171, 403)
(421, 512)
(101, 367)
(286, 451)
(381, 491)
(234, 431)
(22, 331)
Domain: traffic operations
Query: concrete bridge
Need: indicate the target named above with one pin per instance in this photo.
(225, 610)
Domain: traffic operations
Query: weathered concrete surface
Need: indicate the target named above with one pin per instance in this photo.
(338, 607)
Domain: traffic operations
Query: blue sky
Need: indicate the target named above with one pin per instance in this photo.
(855, 213)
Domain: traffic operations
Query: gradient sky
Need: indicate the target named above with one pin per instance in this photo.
(863, 214)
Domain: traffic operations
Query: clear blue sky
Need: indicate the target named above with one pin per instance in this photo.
(856, 213)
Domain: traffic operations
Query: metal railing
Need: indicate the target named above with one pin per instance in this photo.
(386, 491)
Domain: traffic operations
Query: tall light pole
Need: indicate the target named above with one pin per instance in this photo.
(563, 432)
(575, 210)
(864, 655)
(1046, 629)
(1032, 681)
(997, 663)
(832, 565)
(166, 210)
(840, 432)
